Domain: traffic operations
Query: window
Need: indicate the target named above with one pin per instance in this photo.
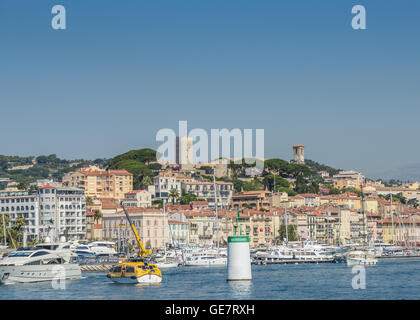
(39, 253)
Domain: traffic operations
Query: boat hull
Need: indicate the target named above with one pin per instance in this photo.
(39, 273)
(221, 263)
(167, 265)
(148, 278)
(362, 262)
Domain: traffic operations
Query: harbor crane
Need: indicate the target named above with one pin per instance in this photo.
(143, 252)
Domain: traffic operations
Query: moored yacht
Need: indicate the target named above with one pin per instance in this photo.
(206, 260)
(35, 265)
(103, 248)
(359, 257)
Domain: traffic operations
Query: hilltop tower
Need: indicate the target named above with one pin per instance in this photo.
(299, 153)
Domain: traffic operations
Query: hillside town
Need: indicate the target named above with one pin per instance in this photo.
(179, 206)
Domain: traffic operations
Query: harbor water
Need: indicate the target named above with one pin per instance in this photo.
(389, 279)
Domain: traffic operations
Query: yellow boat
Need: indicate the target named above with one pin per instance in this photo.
(135, 270)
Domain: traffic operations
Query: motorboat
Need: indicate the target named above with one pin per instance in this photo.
(84, 251)
(359, 257)
(135, 270)
(206, 260)
(103, 248)
(36, 265)
(62, 249)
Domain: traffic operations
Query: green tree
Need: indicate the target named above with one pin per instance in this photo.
(138, 169)
(413, 202)
(147, 181)
(89, 201)
(289, 191)
(291, 232)
(173, 194)
(254, 184)
(141, 155)
(22, 186)
(279, 182)
(97, 215)
(208, 169)
(187, 198)
(155, 166)
(158, 203)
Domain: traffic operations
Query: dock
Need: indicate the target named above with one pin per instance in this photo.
(398, 257)
(292, 261)
(95, 267)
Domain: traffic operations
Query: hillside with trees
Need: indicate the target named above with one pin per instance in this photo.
(137, 163)
(25, 170)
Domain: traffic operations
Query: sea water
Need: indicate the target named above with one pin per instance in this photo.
(390, 279)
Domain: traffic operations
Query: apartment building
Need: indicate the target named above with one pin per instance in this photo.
(258, 199)
(99, 183)
(151, 225)
(51, 212)
(164, 183)
(205, 190)
(178, 232)
(345, 179)
(138, 198)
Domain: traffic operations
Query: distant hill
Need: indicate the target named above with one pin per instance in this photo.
(410, 172)
(315, 167)
(28, 169)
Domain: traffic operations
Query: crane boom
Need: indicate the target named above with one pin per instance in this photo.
(143, 251)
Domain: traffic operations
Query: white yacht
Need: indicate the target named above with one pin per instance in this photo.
(84, 251)
(103, 247)
(206, 260)
(306, 253)
(35, 265)
(359, 257)
(62, 249)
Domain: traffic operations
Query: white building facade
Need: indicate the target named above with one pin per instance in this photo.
(51, 212)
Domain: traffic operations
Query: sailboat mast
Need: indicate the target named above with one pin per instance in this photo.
(217, 214)
(364, 219)
(392, 221)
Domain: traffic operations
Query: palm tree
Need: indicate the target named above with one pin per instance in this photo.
(89, 201)
(98, 215)
(147, 181)
(173, 194)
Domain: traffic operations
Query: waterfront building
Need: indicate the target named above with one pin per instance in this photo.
(94, 229)
(205, 190)
(99, 183)
(151, 225)
(164, 183)
(178, 232)
(52, 211)
(258, 199)
(138, 198)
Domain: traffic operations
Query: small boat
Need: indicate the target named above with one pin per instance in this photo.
(135, 270)
(359, 257)
(36, 265)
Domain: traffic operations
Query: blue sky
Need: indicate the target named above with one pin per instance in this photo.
(123, 70)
